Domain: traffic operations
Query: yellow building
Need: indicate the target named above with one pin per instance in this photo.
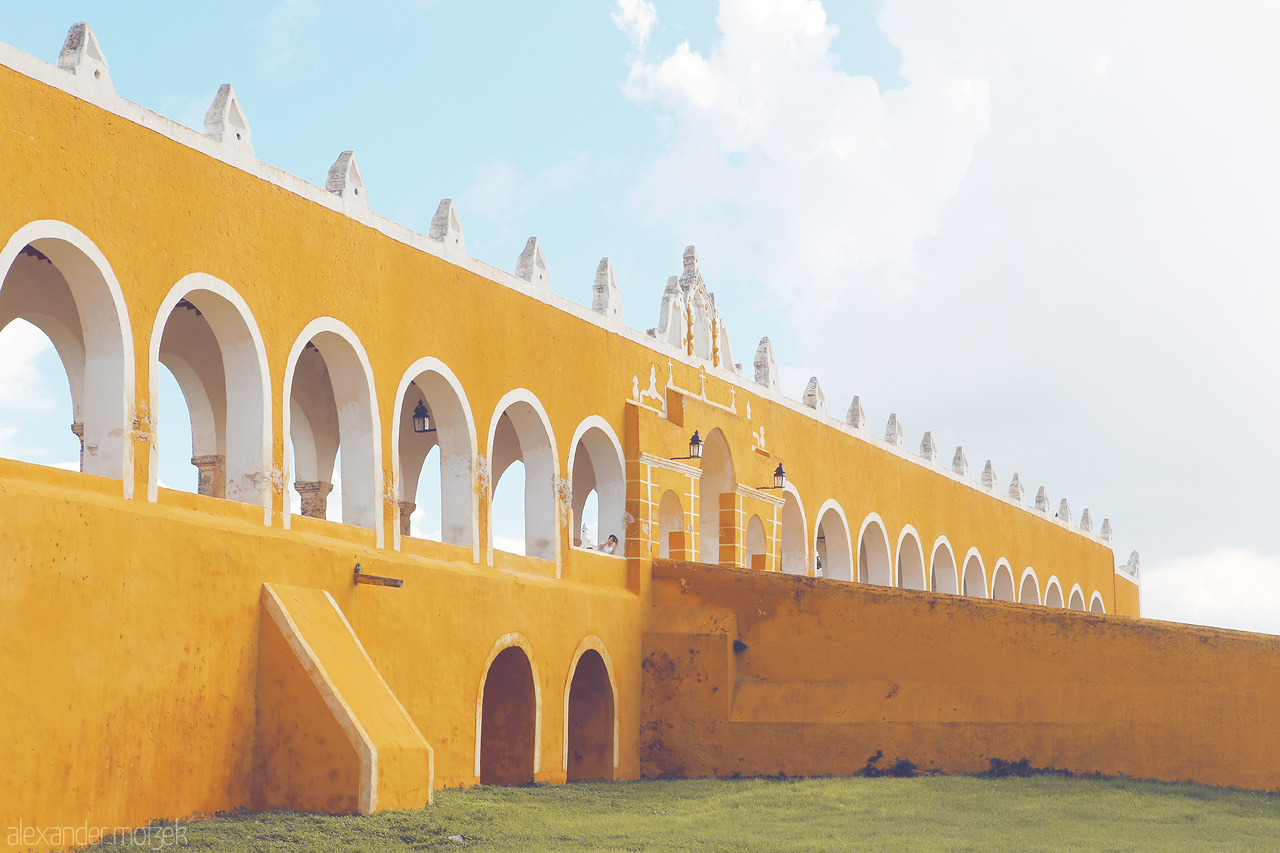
(169, 654)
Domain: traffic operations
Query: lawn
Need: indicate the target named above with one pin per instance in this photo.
(916, 814)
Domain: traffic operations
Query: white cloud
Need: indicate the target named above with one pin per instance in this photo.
(1227, 587)
(801, 172)
(21, 379)
(1053, 245)
(636, 18)
(509, 544)
(286, 45)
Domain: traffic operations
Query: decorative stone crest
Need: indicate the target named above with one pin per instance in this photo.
(225, 121)
(82, 56)
(346, 181)
(606, 298)
(813, 396)
(688, 319)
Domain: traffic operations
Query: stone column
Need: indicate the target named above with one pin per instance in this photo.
(213, 475)
(78, 429)
(406, 510)
(315, 497)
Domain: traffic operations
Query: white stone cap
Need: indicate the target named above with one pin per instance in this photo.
(446, 227)
(345, 180)
(225, 121)
(813, 396)
(82, 56)
(532, 264)
(766, 365)
(606, 297)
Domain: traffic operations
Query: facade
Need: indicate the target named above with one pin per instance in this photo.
(170, 654)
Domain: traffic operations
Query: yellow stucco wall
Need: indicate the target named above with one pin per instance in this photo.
(131, 632)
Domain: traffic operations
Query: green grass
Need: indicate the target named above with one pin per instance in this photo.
(920, 814)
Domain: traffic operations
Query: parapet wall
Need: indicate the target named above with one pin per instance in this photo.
(764, 675)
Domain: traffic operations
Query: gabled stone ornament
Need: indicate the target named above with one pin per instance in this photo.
(532, 265)
(1133, 566)
(1105, 533)
(928, 449)
(766, 365)
(893, 431)
(345, 180)
(1042, 501)
(813, 396)
(989, 481)
(225, 121)
(960, 463)
(446, 227)
(1086, 521)
(1064, 512)
(1017, 493)
(82, 56)
(606, 298)
(856, 417)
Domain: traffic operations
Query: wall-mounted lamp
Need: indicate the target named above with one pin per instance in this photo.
(779, 479)
(695, 447)
(422, 419)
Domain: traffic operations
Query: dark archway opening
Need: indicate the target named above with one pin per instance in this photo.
(591, 721)
(508, 720)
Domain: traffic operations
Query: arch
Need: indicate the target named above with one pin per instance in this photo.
(430, 381)
(1096, 604)
(590, 715)
(910, 573)
(942, 568)
(671, 520)
(1076, 601)
(1029, 587)
(794, 533)
(596, 464)
(328, 382)
(832, 544)
(520, 431)
(974, 576)
(757, 543)
(207, 336)
(509, 716)
(79, 305)
(875, 562)
(1053, 593)
(1002, 588)
(718, 478)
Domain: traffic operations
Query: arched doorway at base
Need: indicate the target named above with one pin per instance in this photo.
(591, 721)
(508, 720)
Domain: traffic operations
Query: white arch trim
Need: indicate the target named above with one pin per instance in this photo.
(119, 413)
(1102, 605)
(828, 505)
(419, 367)
(1054, 583)
(518, 395)
(943, 542)
(204, 281)
(909, 530)
(597, 422)
(874, 518)
(601, 424)
(505, 642)
(1076, 588)
(789, 488)
(986, 587)
(1034, 579)
(1002, 563)
(342, 330)
(589, 643)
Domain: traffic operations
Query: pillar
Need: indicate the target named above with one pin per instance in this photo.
(406, 510)
(213, 475)
(315, 497)
(78, 429)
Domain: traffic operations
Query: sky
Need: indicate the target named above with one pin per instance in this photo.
(1043, 231)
